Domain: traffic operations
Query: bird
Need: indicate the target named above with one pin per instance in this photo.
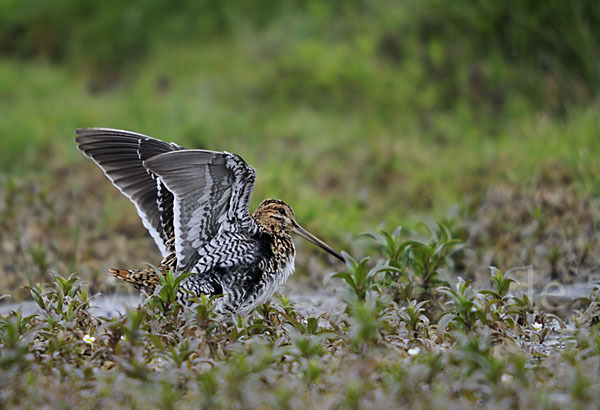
(195, 205)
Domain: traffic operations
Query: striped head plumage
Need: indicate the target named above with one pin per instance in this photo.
(277, 218)
(195, 204)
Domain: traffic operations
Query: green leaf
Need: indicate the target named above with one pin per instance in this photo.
(444, 322)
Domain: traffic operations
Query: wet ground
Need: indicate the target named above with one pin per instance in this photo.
(115, 303)
(560, 300)
(552, 230)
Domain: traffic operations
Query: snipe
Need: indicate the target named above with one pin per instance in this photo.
(195, 204)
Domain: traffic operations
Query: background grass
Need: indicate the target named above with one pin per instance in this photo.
(359, 114)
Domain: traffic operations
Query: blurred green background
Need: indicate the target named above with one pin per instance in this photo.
(358, 113)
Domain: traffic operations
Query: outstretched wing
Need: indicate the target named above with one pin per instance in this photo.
(120, 154)
(212, 194)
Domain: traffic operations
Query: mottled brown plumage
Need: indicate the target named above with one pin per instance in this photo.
(145, 280)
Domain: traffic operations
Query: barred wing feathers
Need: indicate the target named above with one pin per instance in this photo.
(212, 193)
(120, 155)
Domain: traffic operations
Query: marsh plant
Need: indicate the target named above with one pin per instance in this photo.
(413, 268)
(388, 347)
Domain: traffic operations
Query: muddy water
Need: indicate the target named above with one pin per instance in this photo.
(313, 302)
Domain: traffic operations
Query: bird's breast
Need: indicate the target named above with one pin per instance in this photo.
(270, 283)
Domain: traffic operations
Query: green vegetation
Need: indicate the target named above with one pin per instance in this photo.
(363, 115)
(381, 352)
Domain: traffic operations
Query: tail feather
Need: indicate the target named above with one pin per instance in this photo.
(145, 280)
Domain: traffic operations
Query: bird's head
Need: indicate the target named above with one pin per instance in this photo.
(275, 216)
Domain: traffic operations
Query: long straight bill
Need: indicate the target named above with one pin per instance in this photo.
(311, 238)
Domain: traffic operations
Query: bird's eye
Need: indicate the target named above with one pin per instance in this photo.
(281, 211)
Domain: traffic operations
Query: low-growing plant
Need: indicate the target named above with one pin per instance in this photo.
(464, 312)
(132, 328)
(414, 267)
(165, 295)
(179, 353)
(66, 302)
(501, 282)
(590, 315)
(414, 316)
(376, 352)
(368, 319)
(392, 246)
(522, 307)
(475, 350)
(204, 312)
(15, 336)
(429, 258)
(359, 278)
(307, 345)
(491, 309)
